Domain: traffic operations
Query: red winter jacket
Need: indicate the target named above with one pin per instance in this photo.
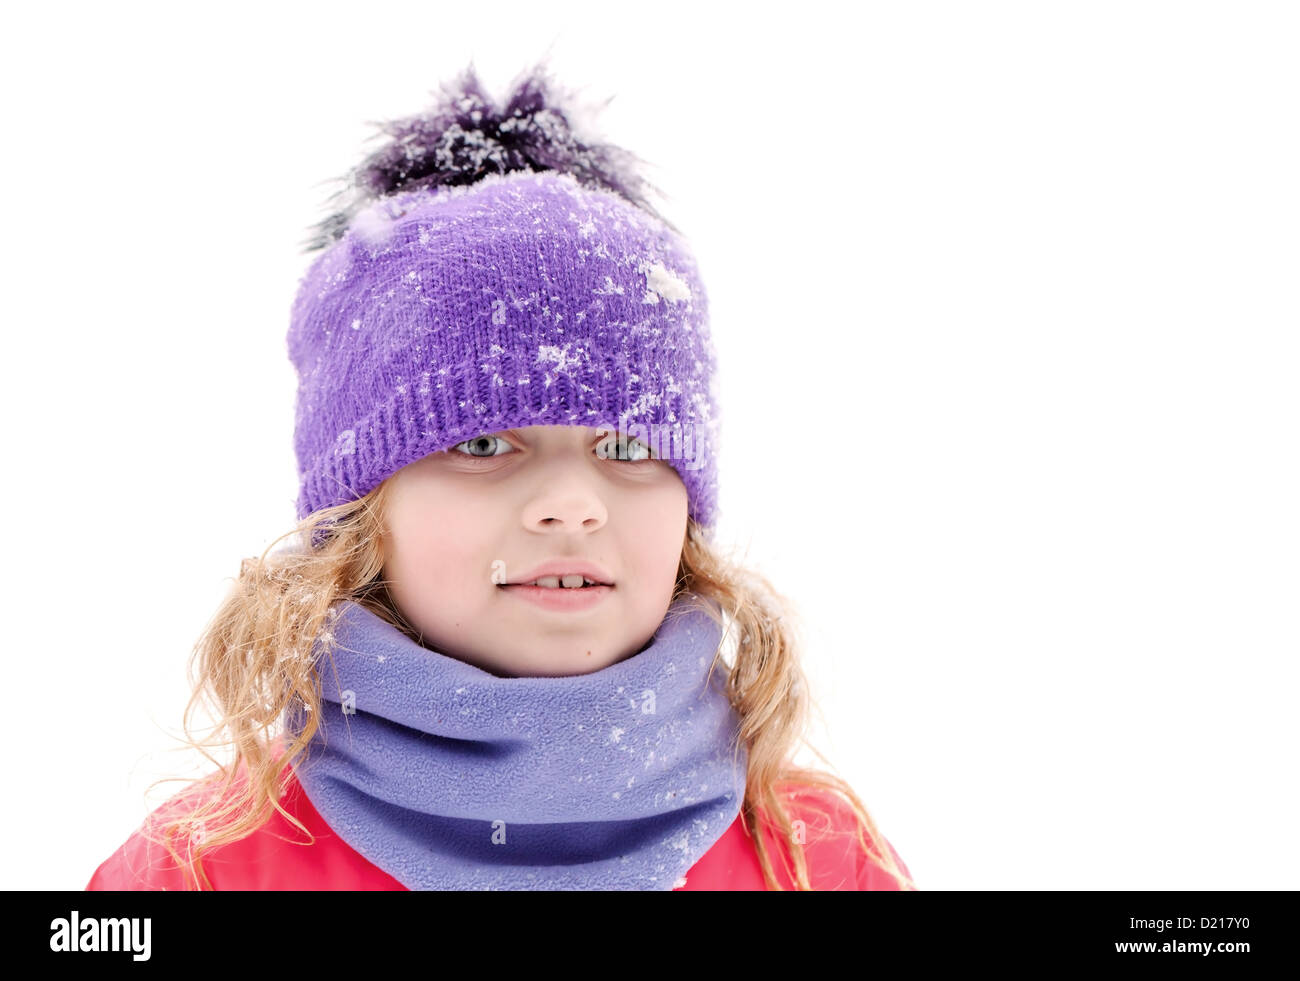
(277, 856)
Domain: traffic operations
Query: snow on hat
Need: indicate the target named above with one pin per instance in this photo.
(491, 269)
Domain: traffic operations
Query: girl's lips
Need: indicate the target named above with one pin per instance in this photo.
(560, 599)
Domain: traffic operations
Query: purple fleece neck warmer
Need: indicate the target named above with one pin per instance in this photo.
(451, 778)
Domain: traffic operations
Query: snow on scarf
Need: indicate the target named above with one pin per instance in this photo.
(448, 777)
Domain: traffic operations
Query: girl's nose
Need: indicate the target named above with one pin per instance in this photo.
(574, 507)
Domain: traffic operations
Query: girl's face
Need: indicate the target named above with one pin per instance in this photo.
(494, 508)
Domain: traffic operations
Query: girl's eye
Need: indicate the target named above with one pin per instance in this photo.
(635, 450)
(484, 443)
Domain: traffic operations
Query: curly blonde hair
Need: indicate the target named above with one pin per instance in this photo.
(254, 660)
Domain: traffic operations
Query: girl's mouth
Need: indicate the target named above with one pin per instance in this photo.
(560, 598)
(572, 581)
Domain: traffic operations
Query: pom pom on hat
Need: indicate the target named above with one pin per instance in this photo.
(464, 136)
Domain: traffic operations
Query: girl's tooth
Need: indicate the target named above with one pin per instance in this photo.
(575, 581)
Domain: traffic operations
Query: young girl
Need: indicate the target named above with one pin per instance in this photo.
(502, 650)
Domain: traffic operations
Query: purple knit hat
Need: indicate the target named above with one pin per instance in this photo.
(494, 271)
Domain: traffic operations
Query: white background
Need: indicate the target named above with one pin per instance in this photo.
(1005, 300)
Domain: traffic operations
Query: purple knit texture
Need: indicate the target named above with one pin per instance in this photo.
(524, 299)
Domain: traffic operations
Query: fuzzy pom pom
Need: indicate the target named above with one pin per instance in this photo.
(465, 136)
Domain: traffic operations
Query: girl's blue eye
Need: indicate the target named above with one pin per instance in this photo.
(637, 451)
(483, 442)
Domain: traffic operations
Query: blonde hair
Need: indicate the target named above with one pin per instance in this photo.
(254, 660)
